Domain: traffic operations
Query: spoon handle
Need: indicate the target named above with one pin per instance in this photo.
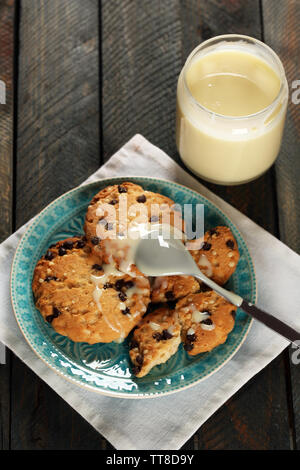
(266, 318)
(230, 296)
(272, 322)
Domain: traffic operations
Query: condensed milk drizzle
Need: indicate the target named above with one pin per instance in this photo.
(123, 250)
(203, 262)
(98, 282)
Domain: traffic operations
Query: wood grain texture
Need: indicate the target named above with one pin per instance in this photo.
(58, 121)
(202, 20)
(7, 12)
(282, 33)
(58, 147)
(6, 116)
(141, 60)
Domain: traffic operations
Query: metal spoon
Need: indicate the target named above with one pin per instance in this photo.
(159, 256)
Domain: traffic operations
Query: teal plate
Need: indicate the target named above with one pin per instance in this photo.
(105, 368)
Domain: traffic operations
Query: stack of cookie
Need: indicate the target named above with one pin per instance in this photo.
(89, 289)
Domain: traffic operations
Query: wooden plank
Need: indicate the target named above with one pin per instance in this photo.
(7, 11)
(6, 116)
(58, 131)
(58, 147)
(144, 47)
(282, 29)
(141, 50)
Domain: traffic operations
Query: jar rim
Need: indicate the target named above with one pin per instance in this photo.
(282, 76)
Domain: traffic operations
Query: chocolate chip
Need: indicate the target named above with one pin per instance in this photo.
(129, 284)
(205, 288)
(206, 246)
(169, 295)
(113, 202)
(95, 240)
(213, 231)
(152, 307)
(103, 221)
(122, 189)
(158, 336)
(109, 226)
(49, 255)
(122, 296)
(188, 346)
(126, 311)
(50, 278)
(230, 244)
(62, 251)
(166, 334)
(97, 267)
(80, 244)
(191, 338)
(133, 344)
(139, 359)
(141, 198)
(136, 370)
(154, 218)
(55, 314)
(233, 313)
(119, 284)
(68, 245)
(108, 285)
(208, 321)
(53, 245)
(171, 304)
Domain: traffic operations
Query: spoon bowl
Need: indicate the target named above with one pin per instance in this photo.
(163, 255)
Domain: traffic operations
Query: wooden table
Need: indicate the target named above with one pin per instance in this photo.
(84, 77)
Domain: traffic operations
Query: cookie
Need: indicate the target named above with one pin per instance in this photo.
(118, 212)
(154, 341)
(166, 288)
(218, 256)
(206, 320)
(84, 299)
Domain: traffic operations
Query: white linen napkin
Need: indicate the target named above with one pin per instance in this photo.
(168, 422)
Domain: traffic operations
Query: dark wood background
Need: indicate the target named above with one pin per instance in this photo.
(82, 78)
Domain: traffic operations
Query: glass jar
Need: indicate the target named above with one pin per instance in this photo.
(227, 149)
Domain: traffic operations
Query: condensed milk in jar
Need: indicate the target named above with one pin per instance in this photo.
(231, 104)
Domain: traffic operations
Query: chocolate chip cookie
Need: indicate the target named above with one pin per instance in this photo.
(86, 299)
(154, 341)
(219, 254)
(117, 209)
(166, 288)
(206, 320)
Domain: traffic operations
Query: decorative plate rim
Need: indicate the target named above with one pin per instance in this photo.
(130, 395)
